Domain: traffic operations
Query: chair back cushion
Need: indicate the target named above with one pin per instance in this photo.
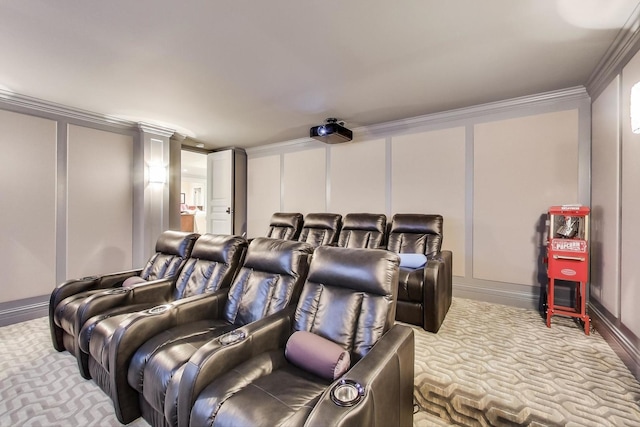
(349, 297)
(172, 250)
(363, 230)
(213, 263)
(270, 279)
(285, 226)
(320, 229)
(416, 233)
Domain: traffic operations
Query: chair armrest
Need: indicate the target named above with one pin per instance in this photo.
(438, 290)
(214, 359)
(116, 301)
(76, 286)
(139, 328)
(386, 373)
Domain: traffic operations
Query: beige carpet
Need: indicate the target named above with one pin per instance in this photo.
(488, 365)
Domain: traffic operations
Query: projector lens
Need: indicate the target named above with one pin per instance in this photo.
(322, 131)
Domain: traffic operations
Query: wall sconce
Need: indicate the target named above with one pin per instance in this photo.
(635, 108)
(157, 174)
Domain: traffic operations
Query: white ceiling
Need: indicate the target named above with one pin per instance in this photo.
(245, 73)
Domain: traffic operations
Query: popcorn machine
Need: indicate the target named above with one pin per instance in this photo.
(568, 259)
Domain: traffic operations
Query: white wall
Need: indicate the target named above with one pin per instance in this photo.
(100, 202)
(492, 171)
(76, 199)
(28, 200)
(615, 238)
(629, 227)
(421, 160)
(605, 198)
(522, 166)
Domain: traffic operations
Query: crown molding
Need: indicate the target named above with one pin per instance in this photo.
(155, 129)
(482, 110)
(623, 47)
(284, 146)
(573, 94)
(49, 109)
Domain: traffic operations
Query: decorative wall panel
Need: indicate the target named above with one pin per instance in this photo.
(100, 202)
(27, 197)
(263, 193)
(428, 176)
(522, 166)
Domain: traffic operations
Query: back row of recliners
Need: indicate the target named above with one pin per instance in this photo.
(217, 331)
(426, 271)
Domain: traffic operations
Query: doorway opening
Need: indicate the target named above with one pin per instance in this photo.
(193, 191)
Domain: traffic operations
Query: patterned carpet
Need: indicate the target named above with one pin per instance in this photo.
(494, 365)
(489, 365)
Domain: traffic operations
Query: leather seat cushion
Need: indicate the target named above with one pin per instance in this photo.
(157, 360)
(102, 328)
(410, 283)
(65, 312)
(285, 392)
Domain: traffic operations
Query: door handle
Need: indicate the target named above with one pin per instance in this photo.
(228, 211)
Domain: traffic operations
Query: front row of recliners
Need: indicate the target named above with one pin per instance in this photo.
(267, 333)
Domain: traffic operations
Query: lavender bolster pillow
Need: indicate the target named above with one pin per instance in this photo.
(317, 355)
(132, 281)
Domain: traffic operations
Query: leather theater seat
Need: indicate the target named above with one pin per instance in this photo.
(285, 226)
(363, 230)
(424, 292)
(348, 302)
(144, 353)
(320, 229)
(214, 261)
(65, 317)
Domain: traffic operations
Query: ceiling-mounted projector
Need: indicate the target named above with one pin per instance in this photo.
(332, 132)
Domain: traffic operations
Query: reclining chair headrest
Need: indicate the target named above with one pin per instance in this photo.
(217, 247)
(322, 220)
(176, 243)
(365, 270)
(275, 256)
(283, 219)
(417, 224)
(365, 221)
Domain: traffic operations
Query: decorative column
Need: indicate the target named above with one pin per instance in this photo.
(151, 189)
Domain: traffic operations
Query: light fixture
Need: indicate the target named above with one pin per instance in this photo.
(635, 108)
(157, 174)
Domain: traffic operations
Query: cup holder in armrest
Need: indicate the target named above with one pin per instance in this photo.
(89, 278)
(117, 291)
(159, 309)
(347, 393)
(232, 337)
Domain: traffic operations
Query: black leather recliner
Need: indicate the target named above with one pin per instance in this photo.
(144, 353)
(65, 317)
(214, 261)
(348, 301)
(363, 230)
(285, 226)
(424, 292)
(320, 229)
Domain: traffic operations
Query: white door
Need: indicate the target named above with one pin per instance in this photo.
(220, 189)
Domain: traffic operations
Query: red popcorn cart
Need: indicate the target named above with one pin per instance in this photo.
(568, 259)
